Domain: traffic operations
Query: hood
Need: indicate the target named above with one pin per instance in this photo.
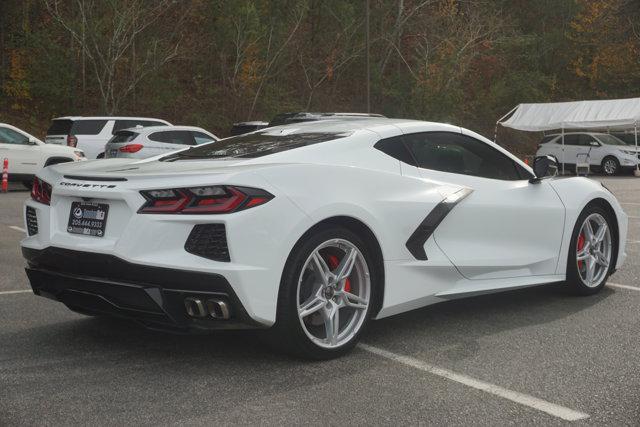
(59, 149)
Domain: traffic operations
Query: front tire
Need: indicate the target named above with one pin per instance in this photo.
(610, 166)
(591, 253)
(326, 294)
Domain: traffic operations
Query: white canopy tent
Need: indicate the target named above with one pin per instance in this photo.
(619, 114)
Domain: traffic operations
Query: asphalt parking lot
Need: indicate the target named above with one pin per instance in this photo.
(522, 357)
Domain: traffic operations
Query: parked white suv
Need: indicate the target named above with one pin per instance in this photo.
(155, 140)
(27, 154)
(90, 134)
(603, 151)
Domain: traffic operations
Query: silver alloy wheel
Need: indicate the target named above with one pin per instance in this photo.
(610, 166)
(593, 250)
(333, 294)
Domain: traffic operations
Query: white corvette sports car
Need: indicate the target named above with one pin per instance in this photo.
(313, 229)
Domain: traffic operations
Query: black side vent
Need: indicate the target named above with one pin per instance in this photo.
(208, 241)
(32, 221)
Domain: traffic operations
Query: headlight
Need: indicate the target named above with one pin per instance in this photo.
(79, 153)
(630, 153)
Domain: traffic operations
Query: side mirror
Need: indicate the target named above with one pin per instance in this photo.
(594, 143)
(543, 167)
(32, 141)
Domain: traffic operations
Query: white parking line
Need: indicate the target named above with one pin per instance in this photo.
(514, 396)
(21, 291)
(629, 203)
(634, 217)
(13, 227)
(617, 285)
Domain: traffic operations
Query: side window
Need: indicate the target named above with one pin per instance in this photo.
(585, 140)
(202, 138)
(88, 127)
(461, 154)
(396, 148)
(572, 139)
(182, 137)
(8, 136)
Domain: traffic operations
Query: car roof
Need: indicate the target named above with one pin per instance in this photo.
(150, 129)
(304, 116)
(108, 118)
(378, 125)
(575, 133)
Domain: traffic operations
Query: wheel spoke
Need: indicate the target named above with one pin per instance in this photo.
(602, 231)
(313, 305)
(591, 268)
(332, 322)
(583, 253)
(588, 231)
(354, 301)
(602, 259)
(321, 268)
(346, 265)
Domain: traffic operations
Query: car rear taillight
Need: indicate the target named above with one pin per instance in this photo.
(41, 191)
(72, 141)
(131, 148)
(203, 200)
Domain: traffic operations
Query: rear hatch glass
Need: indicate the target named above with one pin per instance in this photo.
(60, 127)
(254, 145)
(123, 136)
(76, 127)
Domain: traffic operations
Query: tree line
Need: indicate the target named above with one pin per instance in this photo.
(214, 62)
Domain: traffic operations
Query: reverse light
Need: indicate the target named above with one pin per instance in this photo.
(72, 141)
(131, 148)
(203, 200)
(41, 191)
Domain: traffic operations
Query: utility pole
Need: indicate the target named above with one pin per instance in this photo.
(368, 60)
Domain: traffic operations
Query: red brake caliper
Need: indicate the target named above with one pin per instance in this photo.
(580, 246)
(333, 264)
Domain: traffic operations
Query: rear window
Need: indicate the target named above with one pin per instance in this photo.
(88, 127)
(253, 145)
(60, 127)
(126, 124)
(123, 136)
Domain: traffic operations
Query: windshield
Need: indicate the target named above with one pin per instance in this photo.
(253, 145)
(610, 140)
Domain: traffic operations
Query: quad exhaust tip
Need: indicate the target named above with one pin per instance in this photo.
(214, 308)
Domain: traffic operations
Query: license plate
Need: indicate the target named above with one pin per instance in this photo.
(87, 218)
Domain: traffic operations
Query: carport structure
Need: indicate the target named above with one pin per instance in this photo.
(613, 114)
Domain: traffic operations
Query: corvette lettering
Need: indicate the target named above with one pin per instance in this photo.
(94, 186)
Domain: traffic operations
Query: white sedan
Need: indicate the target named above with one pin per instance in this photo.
(27, 154)
(142, 142)
(313, 229)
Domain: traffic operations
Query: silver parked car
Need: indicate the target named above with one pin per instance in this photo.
(151, 141)
(601, 150)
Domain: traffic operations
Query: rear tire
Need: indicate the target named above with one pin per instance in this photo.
(321, 312)
(610, 166)
(592, 251)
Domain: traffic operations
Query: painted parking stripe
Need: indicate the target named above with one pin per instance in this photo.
(514, 396)
(617, 285)
(13, 227)
(21, 291)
